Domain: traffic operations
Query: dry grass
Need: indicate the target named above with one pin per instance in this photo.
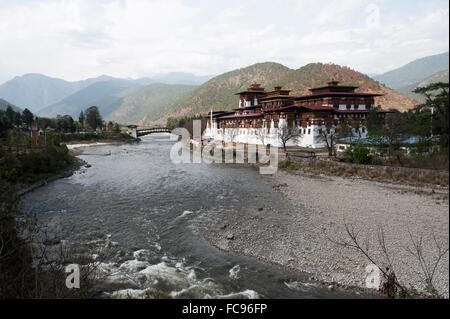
(379, 173)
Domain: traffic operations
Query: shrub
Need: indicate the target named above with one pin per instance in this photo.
(358, 154)
(284, 164)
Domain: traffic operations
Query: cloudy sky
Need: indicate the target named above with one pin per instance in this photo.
(77, 39)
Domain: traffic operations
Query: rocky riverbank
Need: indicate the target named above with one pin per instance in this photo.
(305, 237)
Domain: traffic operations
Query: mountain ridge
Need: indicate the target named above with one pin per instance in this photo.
(4, 105)
(414, 71)
(37, 91)
(104, 94)
(441, 76)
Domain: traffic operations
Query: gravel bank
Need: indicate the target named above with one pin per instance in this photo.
(297, 238)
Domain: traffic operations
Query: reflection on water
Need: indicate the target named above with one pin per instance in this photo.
(146, 212)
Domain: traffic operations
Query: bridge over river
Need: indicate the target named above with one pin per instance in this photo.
(134, 131)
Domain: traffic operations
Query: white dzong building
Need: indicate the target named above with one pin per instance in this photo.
(262, 116)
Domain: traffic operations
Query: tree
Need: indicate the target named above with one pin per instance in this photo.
(5, 125)
(437, 103)
(65, 123)
(358, 154)
(374, 123)
(232, 132)
(286, 134)
(172, 123)
(93, 118)
(10, 114)
(110, 126)
(263, 135)
(27, 117)
(332, 131)
(395, 127)
(328, 135)
(81, 119)
(44, 122)
(17, 119)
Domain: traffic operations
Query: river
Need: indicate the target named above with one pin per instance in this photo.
(146, 212)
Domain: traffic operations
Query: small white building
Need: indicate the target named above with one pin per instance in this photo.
(132, 130)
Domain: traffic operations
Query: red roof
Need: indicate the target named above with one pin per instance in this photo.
(219, 113)
(356, 94)
(279, 108)
(334, 86)
(252, 91)
(362, 111)
(352, 111)
(318, 107)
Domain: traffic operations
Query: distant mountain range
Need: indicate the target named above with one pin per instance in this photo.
(4, 105)
(37, 91)
(415, 71)
(105, 94)
(150, 100)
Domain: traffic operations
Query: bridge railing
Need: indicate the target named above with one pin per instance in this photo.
(146, 131)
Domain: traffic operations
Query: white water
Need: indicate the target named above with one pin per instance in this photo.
(149, 280)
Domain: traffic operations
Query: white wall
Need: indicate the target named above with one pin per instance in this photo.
(249, 136)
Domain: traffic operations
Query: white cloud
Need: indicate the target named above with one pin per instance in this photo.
(132, 38)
